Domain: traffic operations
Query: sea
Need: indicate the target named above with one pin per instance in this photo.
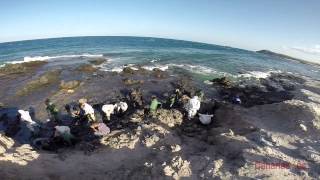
(199, 60)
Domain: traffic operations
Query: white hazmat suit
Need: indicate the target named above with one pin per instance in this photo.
(25, 117)
(88, 111)
(108, 109)
(192, 106)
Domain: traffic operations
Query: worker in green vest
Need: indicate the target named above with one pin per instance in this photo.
(53, 111)
(154, 104)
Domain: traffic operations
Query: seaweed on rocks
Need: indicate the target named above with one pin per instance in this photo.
(19, 68)
(45, 79)
(87, 68)
(98, 61)
(128, 71)
(158, 73)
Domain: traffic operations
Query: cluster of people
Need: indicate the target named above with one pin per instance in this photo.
(82, 115)
(179, 100)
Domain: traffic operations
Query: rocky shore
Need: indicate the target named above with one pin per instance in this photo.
(272, 134)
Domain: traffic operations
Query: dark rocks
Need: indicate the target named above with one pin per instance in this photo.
(128, 71)
(276, 88)
(87, 68)
(208, 107)
(224, 81)
(158, 73)
(186, 86)
(129, 82)
(98, 61)
(135, 98)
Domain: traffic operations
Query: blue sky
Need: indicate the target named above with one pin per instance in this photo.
(286, 26)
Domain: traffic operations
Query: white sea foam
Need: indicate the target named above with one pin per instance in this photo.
(161, 67)
(200, 69)
(115, 69)
(193, 69)
(45, 58)
(154, 60)
(119, 69)
(208, 82)
(257, 74)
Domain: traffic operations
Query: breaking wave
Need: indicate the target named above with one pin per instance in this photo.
(196, 69)
(257, 74)
(45, 58)
(161, 67)
(199, 69)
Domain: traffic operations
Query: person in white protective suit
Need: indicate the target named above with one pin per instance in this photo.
(121, 107)
(26, 118)
(192, 107)
(108, 109)
(87, 109)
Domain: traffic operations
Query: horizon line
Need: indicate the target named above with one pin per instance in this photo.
(167, 38)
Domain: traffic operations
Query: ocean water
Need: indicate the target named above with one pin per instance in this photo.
(203, 61)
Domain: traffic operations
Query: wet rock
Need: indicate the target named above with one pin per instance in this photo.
(128, 71)
(69, 85)
(46, 79)
(287, 85)
(158, 73)
(86, 68)
(224, 81)
(272, 85)
(286, 77)
(98, 61)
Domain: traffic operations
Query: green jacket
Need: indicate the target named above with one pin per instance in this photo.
(154, 105)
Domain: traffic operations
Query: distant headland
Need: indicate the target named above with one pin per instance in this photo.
(286, 57)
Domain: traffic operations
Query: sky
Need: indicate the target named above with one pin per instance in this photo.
(291, 27)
